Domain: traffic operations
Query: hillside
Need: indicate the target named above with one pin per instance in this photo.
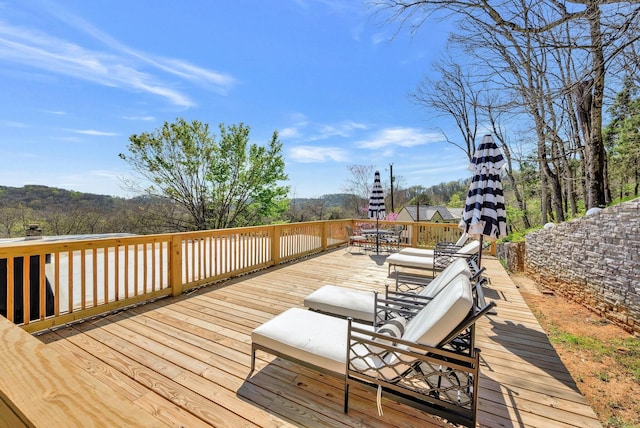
(39, 197)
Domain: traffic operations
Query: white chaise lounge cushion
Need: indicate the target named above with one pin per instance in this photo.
(360, 305)
(429, 327)
(422, 252)
(426, 262)
(428, 252)
(342, 301)
(456, 268)
(308, 336)
(471, 248)
(432, 324)
(448, 308)
(408, 260)
(321, 340)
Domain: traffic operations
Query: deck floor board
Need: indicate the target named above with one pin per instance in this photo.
(185, 360)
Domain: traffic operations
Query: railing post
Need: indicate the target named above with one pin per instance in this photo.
(175, 264)
(275, 245)
(10, 288)
(415, 231)
(324, 236)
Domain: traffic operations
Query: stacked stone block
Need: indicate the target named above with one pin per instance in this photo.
(594, 260)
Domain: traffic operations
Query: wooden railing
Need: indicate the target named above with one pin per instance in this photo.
(45, 284)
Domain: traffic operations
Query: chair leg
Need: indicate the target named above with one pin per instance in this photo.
(253, 359)
(346, 397)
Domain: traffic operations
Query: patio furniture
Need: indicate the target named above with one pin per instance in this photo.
(361, 305)
(393, 238)
(432, 364)
(375, 237)
(442, 257)
(412, 251)
(355, 239)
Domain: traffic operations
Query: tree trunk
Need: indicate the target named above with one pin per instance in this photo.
(544, 211)
(516, 191)
(595, 144)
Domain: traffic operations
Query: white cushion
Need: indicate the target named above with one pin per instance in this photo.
(321, 340)
(456, 268)
(429, 252)
(420, 262)
(360, 305)
(343, 301)
(411, 251)
(463, 238)
(308, 336)
(423, 261)
(471, 248)
(447, 309)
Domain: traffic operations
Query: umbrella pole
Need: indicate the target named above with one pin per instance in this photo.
(377, 234)
(480, 252)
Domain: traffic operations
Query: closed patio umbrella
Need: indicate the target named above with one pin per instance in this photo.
(484, 213)
(376, 204)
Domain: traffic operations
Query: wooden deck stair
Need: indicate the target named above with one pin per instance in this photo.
(185, 360)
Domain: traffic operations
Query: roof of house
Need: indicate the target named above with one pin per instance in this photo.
(428, 212)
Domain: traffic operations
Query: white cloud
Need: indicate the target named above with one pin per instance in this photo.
(116, 66)
(143, 118)
(304, 130)
(290, 132)
(13, 124)
(315, 154)
(94, 133)
(342, 129)
(378, 38)
(401, 137)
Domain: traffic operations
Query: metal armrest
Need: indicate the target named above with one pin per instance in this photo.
(411, 283)
(386, 309)
(441, 382)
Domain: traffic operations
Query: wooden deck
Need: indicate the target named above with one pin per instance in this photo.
(185, 360)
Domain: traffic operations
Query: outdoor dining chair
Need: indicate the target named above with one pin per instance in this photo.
(355, 239)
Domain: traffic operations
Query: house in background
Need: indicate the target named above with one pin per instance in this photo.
(432, 214)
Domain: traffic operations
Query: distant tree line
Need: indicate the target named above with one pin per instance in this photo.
(63, 212)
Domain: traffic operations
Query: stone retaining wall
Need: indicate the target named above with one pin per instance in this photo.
(594, 260)
(511, 254)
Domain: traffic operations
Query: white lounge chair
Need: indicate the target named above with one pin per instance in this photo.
(429, 252)
(415, 366)
(433, 263)
(360, 305)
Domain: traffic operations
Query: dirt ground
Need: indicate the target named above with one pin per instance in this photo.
(592, 349)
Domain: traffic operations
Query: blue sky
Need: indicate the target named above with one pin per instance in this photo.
(79, 77)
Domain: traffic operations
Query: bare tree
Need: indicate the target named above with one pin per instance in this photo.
(494, 114)
(454, 95)
(359, 185)
(12, 219)
(600, 31)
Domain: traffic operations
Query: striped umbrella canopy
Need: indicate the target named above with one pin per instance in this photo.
(484, 213)
(376, 205)
(376, 199)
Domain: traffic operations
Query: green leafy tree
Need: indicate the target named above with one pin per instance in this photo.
(622, 138)
(220, 184)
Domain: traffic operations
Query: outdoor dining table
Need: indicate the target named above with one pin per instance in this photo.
(377, 234)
